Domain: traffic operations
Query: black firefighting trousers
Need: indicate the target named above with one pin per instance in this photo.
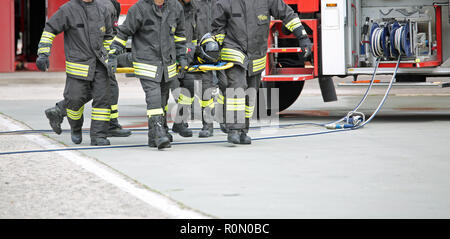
(78, 92)
(188, 95)
(241, 90)
(156, 96)
(114, 88)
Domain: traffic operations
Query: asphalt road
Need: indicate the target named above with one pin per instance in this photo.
(395, 167)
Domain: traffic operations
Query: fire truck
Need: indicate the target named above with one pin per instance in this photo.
(350, 38)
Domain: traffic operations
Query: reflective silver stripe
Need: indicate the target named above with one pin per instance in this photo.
(259, 64)
(75, 72)
(172, 69)
(145, 69)
(293, 24)
(228, 54)
(153, 112)
(44, 50)
(77, 69)
(75, 114)
(101, 111)
(77, 66)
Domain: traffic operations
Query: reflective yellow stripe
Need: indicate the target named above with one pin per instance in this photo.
(152, 112)
(220, 99)
(114, 107)
(77, 73)
(144, 66)
(293, 24)
(46, 40)
(228, 54)
(249, 111)
(101, 111)
(207, 40)
(220, 38)
(172, 70)
(207, 103)
(44, 50)
(235, 101)
(179, 39)
(48, 34)
(259, 64)
(185, 100)
(77, 66)
(145, 69)
(166, 108)
(101, 117)
(115, 115)
(122, 42)
(194, 41)
(235, 107)
(75, 115)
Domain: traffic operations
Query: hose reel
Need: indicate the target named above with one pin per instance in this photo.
(390, 40)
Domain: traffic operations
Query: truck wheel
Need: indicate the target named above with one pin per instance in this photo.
(289, 91)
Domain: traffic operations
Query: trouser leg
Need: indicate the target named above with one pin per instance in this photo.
(186, 97)
(61, 105)
(101, 104)
(207, 101)
(253, 83)
(114, 88)
(76, 94)
(235, 98)
(153, 96)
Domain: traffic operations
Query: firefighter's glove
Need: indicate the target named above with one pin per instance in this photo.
(306, 46)
(42, 62)
(304, 42)
(183, 68)
(112, 63)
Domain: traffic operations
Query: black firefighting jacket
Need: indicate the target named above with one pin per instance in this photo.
(113, 8)
(85, 27)
(158, 38)
(204, 16)
(242, 26)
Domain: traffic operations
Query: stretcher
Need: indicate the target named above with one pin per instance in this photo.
(194, 68)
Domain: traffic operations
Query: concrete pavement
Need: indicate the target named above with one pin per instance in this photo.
(396, 167)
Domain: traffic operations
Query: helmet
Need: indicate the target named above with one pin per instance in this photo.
(209, 50)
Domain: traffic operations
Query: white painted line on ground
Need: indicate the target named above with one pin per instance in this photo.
(155, 200)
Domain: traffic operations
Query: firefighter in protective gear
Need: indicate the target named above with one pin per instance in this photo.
(57, 113)
(185, 98)
(242, 27)
(198, 15)
(86, 25)
(158, 42)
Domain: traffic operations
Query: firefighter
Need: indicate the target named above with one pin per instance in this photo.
(158, 42)
(198, 16)
(86, 24)
(57, 113)
(242, 27)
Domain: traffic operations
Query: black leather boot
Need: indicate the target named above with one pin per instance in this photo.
(244, 138)
(76, 136)
(234, 137)
(182, 129)
(157, 127)
(116, 130)
(166, 128)
(55, 118)
(207, 130)
(99, 141)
